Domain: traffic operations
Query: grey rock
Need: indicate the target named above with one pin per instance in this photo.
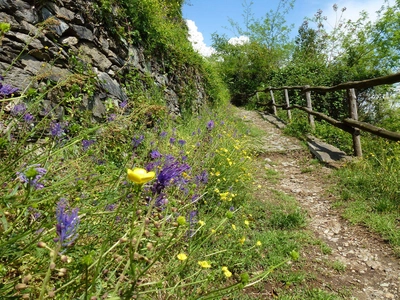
(82, 32)
(70, 41)
(95, 57)
(111, 86)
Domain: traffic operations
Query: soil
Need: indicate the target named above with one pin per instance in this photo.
(366, 267)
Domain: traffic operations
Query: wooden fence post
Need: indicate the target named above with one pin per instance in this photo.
(354, 115)
(309, 106)
(289, 114)
(273, 102)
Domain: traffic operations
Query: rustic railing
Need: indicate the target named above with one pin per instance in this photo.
(350, 124)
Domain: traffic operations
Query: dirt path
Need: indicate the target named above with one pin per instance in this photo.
(358, 261)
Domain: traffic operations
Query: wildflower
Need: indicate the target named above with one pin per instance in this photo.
(86, 144)
(227, 273)
(182, 256)
(210, 125)
(28, 118)
(258, 243)
(111, 117)
(233, 226)
(163, 134)
(246, 222)
(140, 176)
(124, 103)
(171, 172)
(18, 109)
(202, 178)
(32, 175)
(154, 154)
(201, 223)
(172, 140)
(181, 142)
(136, 141)
(242, 240)
(204, 264)
(67, 223)
(56, 129)
(6, 89)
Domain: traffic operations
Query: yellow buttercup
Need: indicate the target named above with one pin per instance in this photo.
(140, 176)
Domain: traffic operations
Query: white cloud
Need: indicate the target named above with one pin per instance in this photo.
(239, 40)
(197, 39)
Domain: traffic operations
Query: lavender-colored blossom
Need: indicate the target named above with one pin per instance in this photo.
(111, 117)
(18, 109)
(154, 154)
(123, 104)
(163, 134)
(86, 144)
(34, 213)
(181, 142)
(67, 223)
(31, 176)
(56, 129)
(111, 207)
(210, 125)
(136, 141)
(172, 140)
(6, 89)
(170, 173)
(202, 178)
(28, 118)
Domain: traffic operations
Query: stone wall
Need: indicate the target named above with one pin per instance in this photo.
(43, 38)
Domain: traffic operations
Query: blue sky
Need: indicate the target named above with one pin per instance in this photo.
(209, 16)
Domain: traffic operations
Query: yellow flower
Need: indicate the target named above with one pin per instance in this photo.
(227, 273)
(233, 226)
(242, 240)
(213, 231)
(247, 222)
(201, 223)
(140, 176)
(182, 256)
(204, 264)
(258, 243)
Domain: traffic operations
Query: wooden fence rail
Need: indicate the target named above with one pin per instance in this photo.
(351, 124)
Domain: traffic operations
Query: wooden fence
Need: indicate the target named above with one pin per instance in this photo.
(350, 124)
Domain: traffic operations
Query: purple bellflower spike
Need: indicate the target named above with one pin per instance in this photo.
(136, 141)
(67, 223)
(123, 104)
(56, 129)
(154, 154)
(86, 144)
(18, 110)
(169, 174)
(31, 176)
(6, 89)
(28, 118)
(210, 125)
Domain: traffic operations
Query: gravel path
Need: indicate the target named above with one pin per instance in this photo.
(371, 270)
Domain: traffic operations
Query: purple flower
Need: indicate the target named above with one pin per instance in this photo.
(18, 109)
(56, 129)
(172, 140)
(67, 223)
(123, 104)
(154, 154)
(111, 117)
(202, 178)
(181, 142)
(6, 89)
(31, 176)
(163, 134)
(111, 207)
(86, 144)
(170, 173)
(136, 141)
(28, 118)
(210, 125)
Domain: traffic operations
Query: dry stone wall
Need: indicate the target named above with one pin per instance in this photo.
(45, 35)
